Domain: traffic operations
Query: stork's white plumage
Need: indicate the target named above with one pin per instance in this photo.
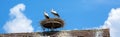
(55, 13)
(46, 15)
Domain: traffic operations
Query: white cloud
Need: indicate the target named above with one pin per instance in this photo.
(18, 22)
(113, 22)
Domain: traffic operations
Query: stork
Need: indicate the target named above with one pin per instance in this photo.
(55, 13)
(46, 15)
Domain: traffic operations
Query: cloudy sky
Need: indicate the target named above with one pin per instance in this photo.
(25, 15)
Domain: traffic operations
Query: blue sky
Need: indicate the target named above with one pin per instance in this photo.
(77, 14)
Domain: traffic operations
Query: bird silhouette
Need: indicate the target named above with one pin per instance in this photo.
(55, 13)
(46, 15)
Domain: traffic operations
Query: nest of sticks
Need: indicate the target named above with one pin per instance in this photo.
(52, 20)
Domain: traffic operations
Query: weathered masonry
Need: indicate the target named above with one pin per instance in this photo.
(72, 33)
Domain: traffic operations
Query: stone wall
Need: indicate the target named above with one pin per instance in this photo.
(72, 33)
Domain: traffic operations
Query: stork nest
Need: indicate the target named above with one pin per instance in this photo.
(52, 20)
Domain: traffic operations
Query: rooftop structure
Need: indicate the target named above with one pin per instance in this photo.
(72, 33)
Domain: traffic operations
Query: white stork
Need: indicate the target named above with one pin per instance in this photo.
(46, 15)
(55, 13)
